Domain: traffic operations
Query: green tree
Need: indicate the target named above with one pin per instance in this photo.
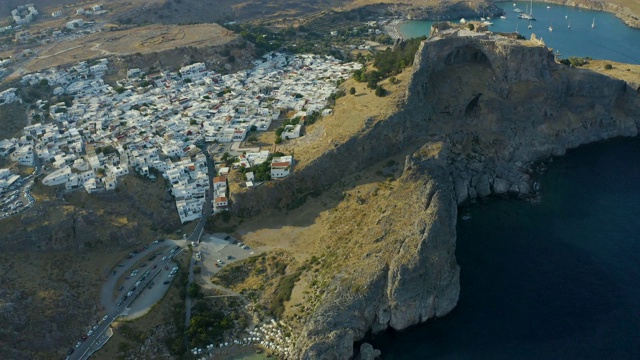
(194, 289)
(352, 91)
(380, 91)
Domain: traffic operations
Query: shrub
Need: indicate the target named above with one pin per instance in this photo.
(608, 66)
(352, 91)
(380, 91)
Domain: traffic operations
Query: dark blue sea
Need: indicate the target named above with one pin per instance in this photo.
(555, 279)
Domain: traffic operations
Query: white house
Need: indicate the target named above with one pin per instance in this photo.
(8, 96)
(24, 155)
(281, 166)
(291, 132)
(57, 177)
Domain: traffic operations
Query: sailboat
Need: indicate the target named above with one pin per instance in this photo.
(530, 27)
(517, 28)
(593, 24)
(528, 16)
(550, 27)
(569, 26)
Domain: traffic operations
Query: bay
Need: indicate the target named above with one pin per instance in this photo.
(611, 39)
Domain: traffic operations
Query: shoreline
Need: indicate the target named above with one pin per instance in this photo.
(621, 12)
(393, 31)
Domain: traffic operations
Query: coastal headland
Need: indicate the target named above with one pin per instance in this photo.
(479, 109)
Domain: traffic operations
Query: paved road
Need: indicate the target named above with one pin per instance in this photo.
(195, 237)
(136, 284)
(130, 293)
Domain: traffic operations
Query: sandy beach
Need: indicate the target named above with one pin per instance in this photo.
(392, 29)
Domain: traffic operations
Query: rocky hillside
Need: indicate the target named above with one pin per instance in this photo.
(55, 257)
(478, 111)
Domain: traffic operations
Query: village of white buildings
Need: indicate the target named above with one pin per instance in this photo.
(159, 123)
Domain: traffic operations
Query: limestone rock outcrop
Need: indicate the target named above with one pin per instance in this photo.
(495, 105)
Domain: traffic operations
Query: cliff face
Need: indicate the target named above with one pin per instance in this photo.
(417, 280)
(513, 105)
(478, 111)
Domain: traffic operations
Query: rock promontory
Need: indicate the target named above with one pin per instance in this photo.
(479, 109)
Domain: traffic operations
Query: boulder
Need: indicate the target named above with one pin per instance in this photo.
(367, 352)
(500, 186)
(462, 190)
(482, 185)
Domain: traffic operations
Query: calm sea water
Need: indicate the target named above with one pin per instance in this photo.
(558, 279)
(611, 39)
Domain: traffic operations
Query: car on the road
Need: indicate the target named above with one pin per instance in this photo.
(105, 318)
(84, 337)
(78, 344)
(155, 266)
(160, 240)
(227, 237)
(90, 333)
(229, 257)
(164, 258)
(120, 288)
(119, 303)
(113, 273)
(219, 261)
(166, 282)
(71, 351)
(246, 247)
(143, 265)
(95, 327)
(138, 283)
(129, 293)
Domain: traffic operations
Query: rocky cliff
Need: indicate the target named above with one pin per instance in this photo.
(478, 111)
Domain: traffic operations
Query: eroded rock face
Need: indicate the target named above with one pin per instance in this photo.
(420, 282)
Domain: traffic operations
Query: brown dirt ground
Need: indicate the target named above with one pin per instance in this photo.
(146, 39)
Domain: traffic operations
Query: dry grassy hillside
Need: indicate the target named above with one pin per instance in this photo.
(143, 40)
(55, 257)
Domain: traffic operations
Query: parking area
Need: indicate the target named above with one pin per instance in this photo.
(218, 250)
(17, 197)
(153, 293)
